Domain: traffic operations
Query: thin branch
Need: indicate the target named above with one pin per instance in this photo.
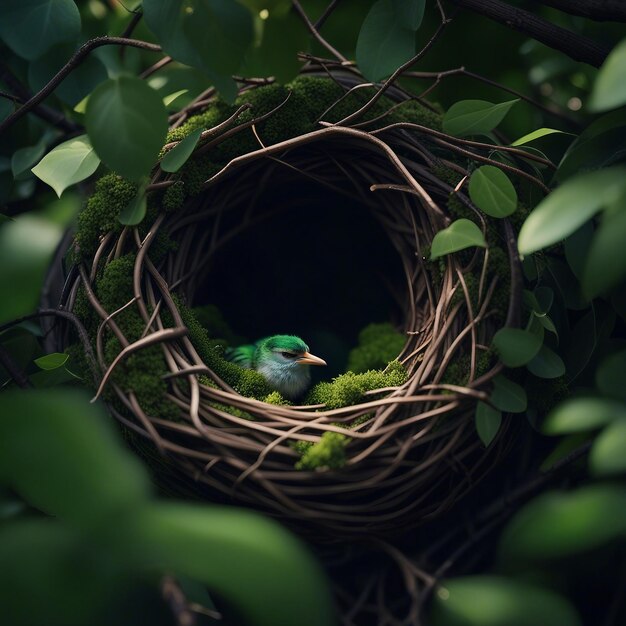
(599, 10)
(128, 31)
(313, 30)
(324, 16)
(578, 47)
(75, 60)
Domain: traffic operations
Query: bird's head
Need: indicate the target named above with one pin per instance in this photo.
(288, 351)
(283, 360)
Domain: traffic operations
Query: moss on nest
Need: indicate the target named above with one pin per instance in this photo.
(378, 345)
(328, 453)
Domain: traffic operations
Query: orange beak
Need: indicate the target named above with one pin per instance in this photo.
(311, 359)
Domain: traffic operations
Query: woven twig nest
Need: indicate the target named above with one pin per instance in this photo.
(389, 448)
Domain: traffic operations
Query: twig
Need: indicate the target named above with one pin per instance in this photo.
(324, 16)
(176, 600)
(578, 47)
(75, 60)
(313, 30)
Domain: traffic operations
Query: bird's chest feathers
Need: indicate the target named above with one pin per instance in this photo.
(288, 380)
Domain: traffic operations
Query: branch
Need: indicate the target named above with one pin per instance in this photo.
(599, 10)
(76, 59)
(324, 16)
(21, 94)
(313, 30)
(577, 47)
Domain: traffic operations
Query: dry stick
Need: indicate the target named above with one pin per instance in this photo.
(128, 31)
(326, 14)
(358, 113)
(75, 60)
(313, 30)
(577, 47)
(156, 67)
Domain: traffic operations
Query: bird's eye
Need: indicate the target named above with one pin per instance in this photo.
(288, 355)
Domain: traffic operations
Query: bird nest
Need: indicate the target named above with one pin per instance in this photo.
(377, 452)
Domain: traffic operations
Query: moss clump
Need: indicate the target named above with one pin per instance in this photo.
(328, 453)
(211, 318)
(174, 197)
(458, 371)
(101, 212)
(378, 345)
(348, 389)
(276, 398)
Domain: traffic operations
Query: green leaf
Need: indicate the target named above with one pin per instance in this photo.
(607, 456)
(126, 123)
(559, 524)
(601, 144)
(582, 414)
(51, 440)
(30, 27)
(24, 158)
(569, 206)
(52, 361)
(515, 346)
(6, 108)
(212, 35)
(546, 364)
(576, 248)
(610, 376)
(171, 98)
(474, 117)
(499, 601)
(385, 41)
(231, 551)
(411, 12)
(459, 235)
(491, 191)
(537, 134)
(605, 265)
(179, 154)
(134, 212)
(609, 90)
(488, 422)
(69, 163)
(508, 396)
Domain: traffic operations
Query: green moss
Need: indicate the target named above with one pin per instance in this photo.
(348, 389)
(328, 453)
(101, 212)
(174, 197)
(276, 398)
(378, 345)
(458, 370)
(212, 320)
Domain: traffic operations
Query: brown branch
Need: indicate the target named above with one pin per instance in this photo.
(599, 10)
(313, 30)
(128, 31)
(577, 47)
(75, 60)
(324, 16)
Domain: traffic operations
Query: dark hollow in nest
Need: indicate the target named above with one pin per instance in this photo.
(387, 449)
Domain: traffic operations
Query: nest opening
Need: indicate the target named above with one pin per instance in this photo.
(319, 266)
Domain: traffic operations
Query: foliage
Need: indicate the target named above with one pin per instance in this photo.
(378, 345)
(69, 488)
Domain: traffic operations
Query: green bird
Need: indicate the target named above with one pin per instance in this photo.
(283, 360)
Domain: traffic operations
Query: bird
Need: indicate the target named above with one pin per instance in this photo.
(283, 360)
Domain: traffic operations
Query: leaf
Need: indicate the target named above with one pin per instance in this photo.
(569, 206)
(499, 601)
(179, 154)
(488, 422)
(491, 191)
(515, 346)
(24, 158)
(51, 440)
(6, 108)
(576, 248)
(605, 265)
(546, 364)
(559, 524)
(231, 551)
(610, 376)
(508, 396)
(537, 134)
(171, 98)
(411, 12)
(474, 117)
(607, 456)
(126, 123)
(69, 163)
(609, 90)
(30, 27)
(52, 361)
(581, 415)
(134, 212)
(601, 144)
(212, 35)
(385, 41)
(459, 235)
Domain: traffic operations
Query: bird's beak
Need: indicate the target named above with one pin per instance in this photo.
(311, 359)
